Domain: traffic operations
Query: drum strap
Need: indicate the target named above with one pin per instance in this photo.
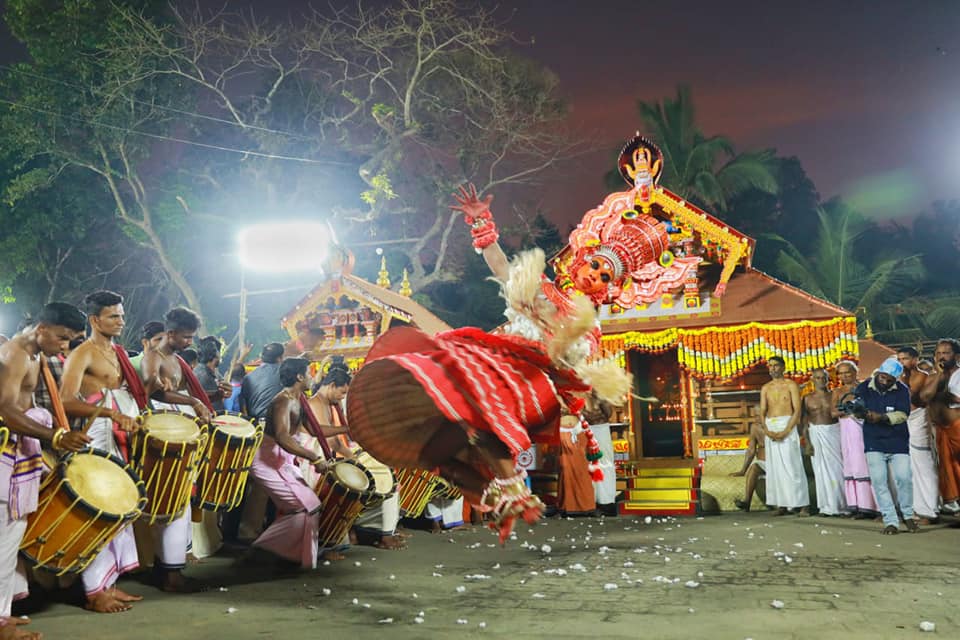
(313, 426)
(59, 415)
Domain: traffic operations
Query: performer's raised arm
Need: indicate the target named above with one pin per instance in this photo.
(483, 229)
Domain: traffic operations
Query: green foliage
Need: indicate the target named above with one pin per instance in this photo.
(703, 170)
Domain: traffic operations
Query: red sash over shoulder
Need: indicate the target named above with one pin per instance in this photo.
(139, 394)
(193, 384)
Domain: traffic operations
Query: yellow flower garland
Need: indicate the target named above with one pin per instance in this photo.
(727, 352)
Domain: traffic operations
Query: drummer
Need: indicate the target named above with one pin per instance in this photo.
(325, 403)
(171, 384)
(294, 534)
(20, 371)
(100, 385)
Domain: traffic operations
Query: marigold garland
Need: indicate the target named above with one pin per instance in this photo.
(728, 352)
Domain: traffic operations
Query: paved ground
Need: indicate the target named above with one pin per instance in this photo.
(712, 577)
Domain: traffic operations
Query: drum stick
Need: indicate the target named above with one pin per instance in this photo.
(96, 414)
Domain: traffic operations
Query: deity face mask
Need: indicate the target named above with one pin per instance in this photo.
(594, 276)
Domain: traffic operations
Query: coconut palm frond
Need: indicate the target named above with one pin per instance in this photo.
(799, 272)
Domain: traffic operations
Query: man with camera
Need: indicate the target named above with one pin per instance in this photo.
(886, 441)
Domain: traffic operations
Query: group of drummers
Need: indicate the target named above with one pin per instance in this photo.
(109, 464)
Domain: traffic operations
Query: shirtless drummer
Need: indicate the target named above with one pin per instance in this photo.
(163, 376)
(95, 388)
(20, 369)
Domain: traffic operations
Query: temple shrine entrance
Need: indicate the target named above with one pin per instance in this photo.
(658, 426)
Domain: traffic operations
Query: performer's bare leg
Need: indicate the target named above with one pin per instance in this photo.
(750, 479)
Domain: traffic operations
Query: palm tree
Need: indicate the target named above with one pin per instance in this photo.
(835, 274)
(701, 169)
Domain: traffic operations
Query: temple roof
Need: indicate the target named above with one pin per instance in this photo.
(751, 295)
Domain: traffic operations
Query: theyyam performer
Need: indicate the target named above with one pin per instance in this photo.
(466, 402)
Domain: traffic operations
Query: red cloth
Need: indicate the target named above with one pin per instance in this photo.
(193, 384)
(312, 426)
(135, 387)
(502, 384)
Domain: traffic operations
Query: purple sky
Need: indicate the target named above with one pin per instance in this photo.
(865, 93)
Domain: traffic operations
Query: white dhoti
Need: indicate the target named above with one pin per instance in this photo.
(13, 584)
(101, 429)
(786, 480)
(828, 468)
(120, 555)
(923, 465)
(382, 518)
(448, 512)
(605, 491)
(202, 539)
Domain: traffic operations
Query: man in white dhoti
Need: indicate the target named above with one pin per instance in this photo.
(20, 463)
(923, 463)
(780, 411)
(101, 385)
(823, 441)
(171, 384)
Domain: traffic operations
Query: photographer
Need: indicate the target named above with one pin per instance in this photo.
(886, 441)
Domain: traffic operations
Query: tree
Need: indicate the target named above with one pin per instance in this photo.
(703, 170)
(416, 97)
(77, 105)
(834, 273)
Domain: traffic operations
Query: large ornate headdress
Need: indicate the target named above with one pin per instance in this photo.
(636, 245)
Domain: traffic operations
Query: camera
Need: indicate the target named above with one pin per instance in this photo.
(852, 405)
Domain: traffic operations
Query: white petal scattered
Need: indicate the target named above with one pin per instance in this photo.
(418, 620)
(231, 609)
(356, 563)
(437, 575)
(326, 563)
(482, 625)
(546, 548)
(610, 586)
(415, 596)
(777, 604)
(926, 625)
(325, 591)
(385, 621)
(476, 576)
(391, 577)
(691, 584)
(223, 589)
(461, 589)
(356, 601)
(462, 621)
(798, 545)
(691, 610)
(366, 605)
(539, 596)
(496, 566)
(647, 520)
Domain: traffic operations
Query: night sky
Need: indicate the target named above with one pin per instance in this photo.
(865, 93)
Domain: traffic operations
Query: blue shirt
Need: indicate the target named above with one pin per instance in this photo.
(895, 404)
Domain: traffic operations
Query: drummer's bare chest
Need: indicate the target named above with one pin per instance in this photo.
(170, 371)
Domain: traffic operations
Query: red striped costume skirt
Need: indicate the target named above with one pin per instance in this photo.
(504, 385)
